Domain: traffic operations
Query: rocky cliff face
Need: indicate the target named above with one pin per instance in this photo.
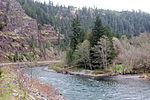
(20, 39)
(14, 19)
(50, 34)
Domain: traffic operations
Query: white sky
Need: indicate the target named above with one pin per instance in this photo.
(118, 5)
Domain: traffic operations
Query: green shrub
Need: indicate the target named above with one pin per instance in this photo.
(57, 67)
(1, 26)
(120, 68)
(69, 57)
(15, 56)
(114, 69)
(22, 44)
(10, 57)
(26, 56)
(11, 44)
(39, 27)
(20, 58)
(1, 72)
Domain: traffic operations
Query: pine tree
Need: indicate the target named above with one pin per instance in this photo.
(76, 33)
(97, 32)
(75, 39)
(102, 51)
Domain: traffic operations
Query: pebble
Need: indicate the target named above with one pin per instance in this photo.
(15, 90)
(15, 94)
(43, 98)
(32, 97)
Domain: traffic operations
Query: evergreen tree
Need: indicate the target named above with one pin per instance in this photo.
(76, 33)
(97, 32)
(75, 38)
(102, 49)
(125, 22)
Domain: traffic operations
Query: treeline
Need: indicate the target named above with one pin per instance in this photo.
(88, 44)
(93, 50)
(100, 49)
(60, 17)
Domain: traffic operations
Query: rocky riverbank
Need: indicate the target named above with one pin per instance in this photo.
(96, 74)
(14, 85)
(146, 76)
(81, 72)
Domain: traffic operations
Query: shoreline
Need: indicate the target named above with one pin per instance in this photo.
(83, 73)
(36, 90)
(42, 89)
(99, 76)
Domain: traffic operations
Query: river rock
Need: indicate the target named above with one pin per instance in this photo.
(15, 94)
(32, 97)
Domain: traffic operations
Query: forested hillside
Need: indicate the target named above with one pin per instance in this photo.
(60, 17)
(36, 36)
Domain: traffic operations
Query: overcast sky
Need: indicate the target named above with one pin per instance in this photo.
(118, 5)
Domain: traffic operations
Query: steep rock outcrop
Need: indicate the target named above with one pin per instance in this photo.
(14, 19)
(20, 39)
(50, 34)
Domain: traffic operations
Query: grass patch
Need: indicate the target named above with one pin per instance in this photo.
(9, 85)
(76, 69)
(100, 71)
(57, 67)
(121, 69)
(60, 67)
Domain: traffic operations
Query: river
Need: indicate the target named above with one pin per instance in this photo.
(127, 87)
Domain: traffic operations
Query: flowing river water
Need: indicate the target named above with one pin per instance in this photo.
(127, 87)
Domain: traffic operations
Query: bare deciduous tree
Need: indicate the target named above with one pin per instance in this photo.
(136, 53)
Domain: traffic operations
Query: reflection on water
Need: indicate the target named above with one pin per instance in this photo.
(81, 88)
